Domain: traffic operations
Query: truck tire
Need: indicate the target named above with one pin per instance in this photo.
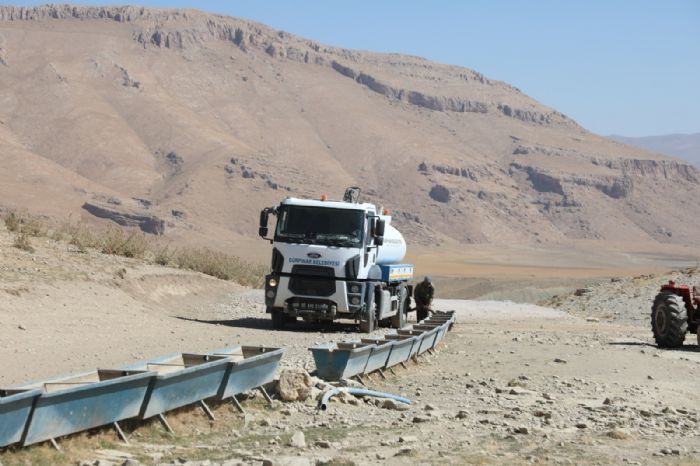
(669, 320)
(368, 323)
(279, 320)
(399, 320)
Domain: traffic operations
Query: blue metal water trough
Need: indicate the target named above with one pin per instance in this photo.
(180, 380)
(425, 338)
(249, 367)
(412, 348)
(401, 350)
(15, 407)
(79, 402)
(335, 361)
(378, 356)
(438, 330)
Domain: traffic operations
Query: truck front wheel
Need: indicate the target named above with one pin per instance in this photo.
(368, 322)
(278, 319)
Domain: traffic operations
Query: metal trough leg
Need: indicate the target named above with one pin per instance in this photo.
(391, 369)
(237, 404)
(206, 410)
(403, 364)
(265, 395)
(120, 433)
(55, 444)
(164, 421)
(381, 373)
(359, 378)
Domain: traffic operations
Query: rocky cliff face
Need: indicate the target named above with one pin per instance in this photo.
(215, 117)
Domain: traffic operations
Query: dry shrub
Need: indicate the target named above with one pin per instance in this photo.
(26, 223)
(162, 254)
(219, 265)
(118, 242)
(12, 221)
(22, 242)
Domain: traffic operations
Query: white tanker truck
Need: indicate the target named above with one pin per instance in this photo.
(336, 260)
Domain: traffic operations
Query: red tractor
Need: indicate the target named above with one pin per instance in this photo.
(676, 311)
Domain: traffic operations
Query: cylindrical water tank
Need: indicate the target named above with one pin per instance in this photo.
(394, 248)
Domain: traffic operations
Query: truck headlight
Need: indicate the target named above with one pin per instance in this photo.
(272, 282)
(355, 300)
(354, 289)
(270, 294)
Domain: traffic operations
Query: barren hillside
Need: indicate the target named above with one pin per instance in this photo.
(186, 124)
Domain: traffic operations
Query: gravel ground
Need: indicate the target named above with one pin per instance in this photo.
(620, 300)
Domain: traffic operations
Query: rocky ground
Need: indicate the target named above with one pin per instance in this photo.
(625, 300)
(511, 384)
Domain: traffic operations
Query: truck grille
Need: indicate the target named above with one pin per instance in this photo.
(311, 280)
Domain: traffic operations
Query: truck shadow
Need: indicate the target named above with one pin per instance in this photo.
(266, 324)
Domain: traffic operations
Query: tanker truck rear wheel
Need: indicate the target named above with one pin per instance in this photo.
(669, 320)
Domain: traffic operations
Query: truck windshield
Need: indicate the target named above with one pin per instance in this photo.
(320, 225)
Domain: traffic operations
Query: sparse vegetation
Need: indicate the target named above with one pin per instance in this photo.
(22, 242)
(219, 265)
(133, 244)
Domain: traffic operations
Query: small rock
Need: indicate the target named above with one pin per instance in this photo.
(298, 440)
(421, 419)
(408, 439)
(560, 361)
(21, 327)
(323, 444)
(521, 430)
(462, 414)
(581, 425)
(395, 405)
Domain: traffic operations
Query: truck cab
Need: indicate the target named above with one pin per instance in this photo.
(335, 260)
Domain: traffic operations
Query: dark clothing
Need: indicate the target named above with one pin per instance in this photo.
(423, 294)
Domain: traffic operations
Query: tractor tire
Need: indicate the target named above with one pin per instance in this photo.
(669, 320)
(399, 320)
(279, 320)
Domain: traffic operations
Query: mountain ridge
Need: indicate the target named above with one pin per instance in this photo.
(201, 120)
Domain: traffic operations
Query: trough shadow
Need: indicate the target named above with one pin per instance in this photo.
(266, 324)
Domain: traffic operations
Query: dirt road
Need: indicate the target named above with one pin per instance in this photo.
(511, 384)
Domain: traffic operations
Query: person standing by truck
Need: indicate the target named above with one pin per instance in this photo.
(423, 294)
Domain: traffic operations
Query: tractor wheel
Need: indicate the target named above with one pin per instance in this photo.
(669, 320)
(278, 320)
(399, 320)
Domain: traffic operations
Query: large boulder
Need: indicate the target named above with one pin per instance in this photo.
(294, 384)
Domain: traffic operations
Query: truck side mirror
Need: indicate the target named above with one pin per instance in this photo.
(379, 227)
(262, 231)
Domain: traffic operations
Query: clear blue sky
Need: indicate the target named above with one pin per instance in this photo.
(630, 67)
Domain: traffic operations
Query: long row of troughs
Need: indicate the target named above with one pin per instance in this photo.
(49, 409)
(335, 361)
